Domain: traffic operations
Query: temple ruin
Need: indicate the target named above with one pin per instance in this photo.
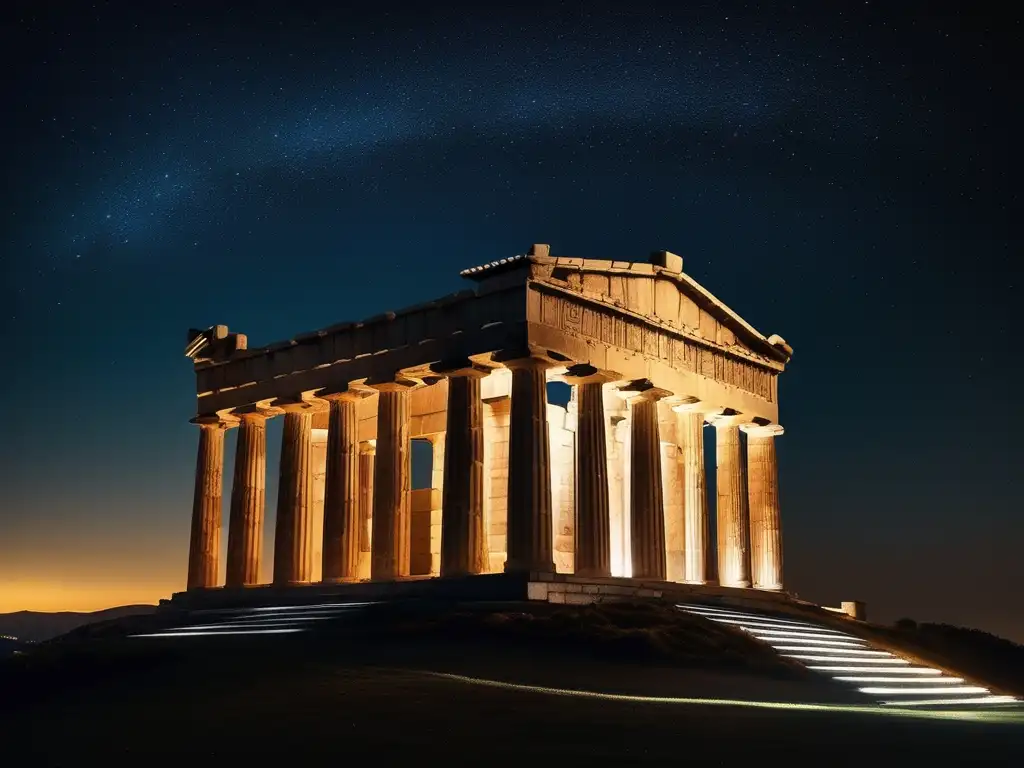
(613, 485)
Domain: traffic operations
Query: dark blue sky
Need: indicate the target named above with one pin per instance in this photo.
(840, 176)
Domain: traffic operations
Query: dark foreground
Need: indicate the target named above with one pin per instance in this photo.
(330, 698)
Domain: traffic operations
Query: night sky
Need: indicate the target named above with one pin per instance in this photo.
(842, 176)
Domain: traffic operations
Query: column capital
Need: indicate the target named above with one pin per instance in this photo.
(464, 367)
(585, 373)
(755, 429)
(220, 420)
(726, 418)
(528, 357)
(350, 392)
(260, 411)
(642, 389)
(689, 404)
(396, 383)
(305, 402)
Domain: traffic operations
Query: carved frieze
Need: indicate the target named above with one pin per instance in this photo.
(608, 325)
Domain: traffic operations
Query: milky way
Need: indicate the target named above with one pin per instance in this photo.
(174, 149)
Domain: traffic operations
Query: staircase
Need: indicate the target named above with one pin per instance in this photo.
(271, 620)
(886, 677)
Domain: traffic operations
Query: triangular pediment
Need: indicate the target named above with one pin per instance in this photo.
(665, 297)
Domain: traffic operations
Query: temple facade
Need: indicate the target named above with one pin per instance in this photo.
(613, 484)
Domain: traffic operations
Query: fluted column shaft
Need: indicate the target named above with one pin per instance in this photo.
(293, 545)
(392, 522)
(593, 523)
(341, 494)
(529, 471)
(733, 517)
(204, 542)
(248, 503)
(696, 531)
(765, 526)
(463, 539)
(367, 455)
(647, 510)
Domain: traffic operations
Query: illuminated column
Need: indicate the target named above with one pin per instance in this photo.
(204, 542)
(367, 451)
(696, 530)
(392, 521)
(529, 470)
(293, 544)
(593, 521)
(617, 427)
(647, 510)
(733, 518)
(341, 501)
(763, 487)
(248, 502)
(437, 445)
(463, 538)
(673, 499)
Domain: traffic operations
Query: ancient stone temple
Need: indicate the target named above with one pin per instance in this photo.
(612, 485)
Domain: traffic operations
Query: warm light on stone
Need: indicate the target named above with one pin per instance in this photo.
(248, 503)
(614, 484)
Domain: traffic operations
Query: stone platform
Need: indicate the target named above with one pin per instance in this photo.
(494, 587)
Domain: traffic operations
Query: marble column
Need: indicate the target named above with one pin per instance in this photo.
(696, 528)
(593, 518)
(463, 538)
(392, 521)
(341, 500)
(367, 454)
(647, 510)
(204, 542)
(733, 518)
(763, 494)
(529, 470)
(248, 502)
(673, 499)
(293, 544)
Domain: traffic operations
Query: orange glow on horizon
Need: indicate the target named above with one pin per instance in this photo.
(59, 596)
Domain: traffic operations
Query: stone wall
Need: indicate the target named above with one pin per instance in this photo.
(496, 433)
(425, 504)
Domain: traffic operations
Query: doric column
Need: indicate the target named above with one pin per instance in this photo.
(367, 454)
(763, 488)
(696, 529)
(647, 510)
(733, 519)
(673, 499)
(248, 502)
(593, 521)
(463, 538)
(341, 500)
(293, 544)
(204, 542)
(529, 469)
(392, 521)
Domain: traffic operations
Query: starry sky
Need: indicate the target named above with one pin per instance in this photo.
(840, 174)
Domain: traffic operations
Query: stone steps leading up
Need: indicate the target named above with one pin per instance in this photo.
(888, 678)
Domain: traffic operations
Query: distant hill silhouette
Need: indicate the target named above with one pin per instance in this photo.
(36, 626)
